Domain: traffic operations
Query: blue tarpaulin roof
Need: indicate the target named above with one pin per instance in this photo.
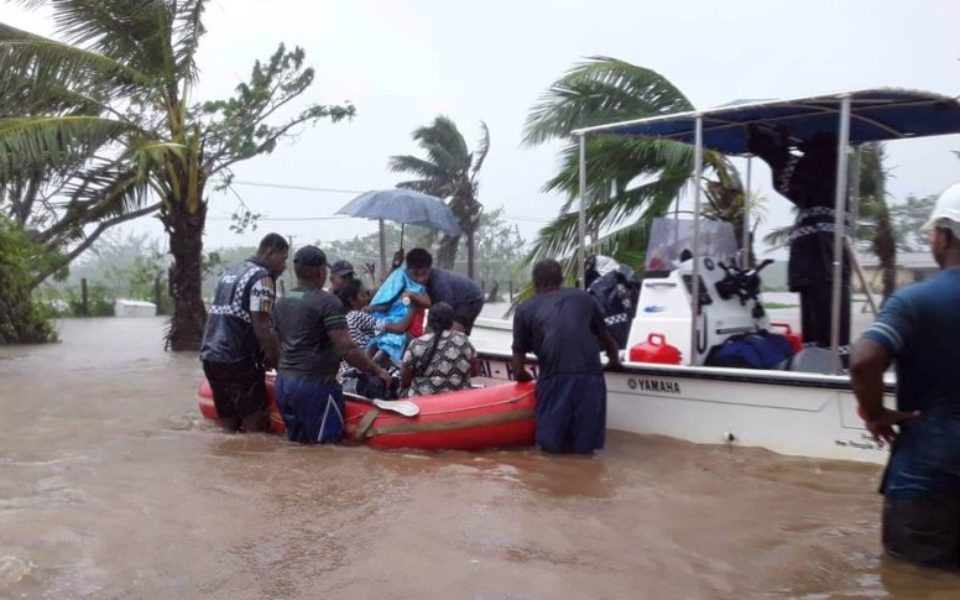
(876, 115)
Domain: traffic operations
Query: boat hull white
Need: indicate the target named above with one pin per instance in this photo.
(795, 414)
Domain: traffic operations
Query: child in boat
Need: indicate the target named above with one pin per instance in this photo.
(397, 299)
(442, 360)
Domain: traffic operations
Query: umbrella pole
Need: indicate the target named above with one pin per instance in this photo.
(383, 251)
(402, 225)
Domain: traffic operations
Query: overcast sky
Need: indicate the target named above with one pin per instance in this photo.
(402, 63)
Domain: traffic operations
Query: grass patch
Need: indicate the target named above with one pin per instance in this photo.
(775, 305)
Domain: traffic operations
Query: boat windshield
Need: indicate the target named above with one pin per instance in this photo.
(671, 242)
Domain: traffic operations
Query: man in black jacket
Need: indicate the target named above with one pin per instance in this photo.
(808, 180)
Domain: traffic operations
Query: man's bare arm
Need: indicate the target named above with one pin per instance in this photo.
(266, 336)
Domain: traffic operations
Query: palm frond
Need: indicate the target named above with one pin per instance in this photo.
(47, 64)
(598, 90)
(136, 32)
(42, 141)
(417, 166)
(483, 147)
(189, 29)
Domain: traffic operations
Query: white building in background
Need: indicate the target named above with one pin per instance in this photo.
(911, 268)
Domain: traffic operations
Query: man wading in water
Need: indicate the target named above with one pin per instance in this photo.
(919, 328)
(565, 329)
(312, 325)
(238, 343)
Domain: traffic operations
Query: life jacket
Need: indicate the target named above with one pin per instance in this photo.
(229, 336)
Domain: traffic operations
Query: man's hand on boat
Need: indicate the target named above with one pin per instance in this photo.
(523, 375)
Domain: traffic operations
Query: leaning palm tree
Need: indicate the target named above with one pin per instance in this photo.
(449, 171)
(629, 180)
(116, 96)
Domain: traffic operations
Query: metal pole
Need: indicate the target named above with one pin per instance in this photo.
(838, 232)
(582, 224)
(383, 251)
(746, 216)
(695, 285)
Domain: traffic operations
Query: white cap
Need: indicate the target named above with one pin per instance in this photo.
(946, 208)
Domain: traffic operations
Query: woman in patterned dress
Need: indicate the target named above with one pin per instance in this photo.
(442, 360)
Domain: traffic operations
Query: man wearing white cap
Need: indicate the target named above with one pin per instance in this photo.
(919, 329)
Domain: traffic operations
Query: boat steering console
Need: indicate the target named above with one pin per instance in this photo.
(743, 284)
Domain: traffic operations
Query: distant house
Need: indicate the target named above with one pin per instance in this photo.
(911, 268)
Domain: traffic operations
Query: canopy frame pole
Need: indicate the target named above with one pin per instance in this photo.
(383, 250)
(843, 141)
(746, 216)
(695, 284)
(582, 223)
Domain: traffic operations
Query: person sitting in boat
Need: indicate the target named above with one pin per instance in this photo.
(458, 291)
(312, 327)
(363, 328)
(442, 360)
(565, 329)
(238, 344)
(918, 328)
(399, 296)
(808, 180)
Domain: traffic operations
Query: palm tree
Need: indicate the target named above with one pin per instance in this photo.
(449, 171)
(630, 180)
(116, 97)
(876, 213)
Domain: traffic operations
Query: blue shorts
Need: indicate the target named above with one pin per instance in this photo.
(571, 413)
(312, 411)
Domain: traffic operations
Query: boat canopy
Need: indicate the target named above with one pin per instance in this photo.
(875, 115)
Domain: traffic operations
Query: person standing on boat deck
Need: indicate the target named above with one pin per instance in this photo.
(440, 361)
(809, 181)
(458, 291)
(919, 328)
(312, 326)
(564, 328)
(238, 343)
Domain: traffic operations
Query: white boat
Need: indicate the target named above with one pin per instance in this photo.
(794, 413)
(134, 308)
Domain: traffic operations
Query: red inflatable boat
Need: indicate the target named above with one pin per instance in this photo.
(498, 416)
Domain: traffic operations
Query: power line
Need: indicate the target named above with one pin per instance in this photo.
(310, 188)
(301, 188)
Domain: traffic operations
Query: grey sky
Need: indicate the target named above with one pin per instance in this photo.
(402, 63)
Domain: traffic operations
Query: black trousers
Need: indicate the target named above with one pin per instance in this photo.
(816, 305)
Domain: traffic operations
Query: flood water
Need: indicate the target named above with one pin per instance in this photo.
(112, 487)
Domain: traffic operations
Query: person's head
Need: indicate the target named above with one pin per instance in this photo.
(441, 317)
(547, 275)
(352, 295)
(310, 265)
(340, 272)
(944, 228)
(419, 265)
(273, 252)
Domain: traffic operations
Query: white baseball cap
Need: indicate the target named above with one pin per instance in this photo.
(946, 208)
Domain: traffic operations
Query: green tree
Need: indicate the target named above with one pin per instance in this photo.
(629, 180)
(907, 218)
(116, 97)
(22, 321)
(449, 171)
(876, 225)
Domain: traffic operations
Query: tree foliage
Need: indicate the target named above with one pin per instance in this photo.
(449, 170)
(113, 101)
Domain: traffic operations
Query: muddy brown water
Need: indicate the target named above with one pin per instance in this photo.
(112, 487)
